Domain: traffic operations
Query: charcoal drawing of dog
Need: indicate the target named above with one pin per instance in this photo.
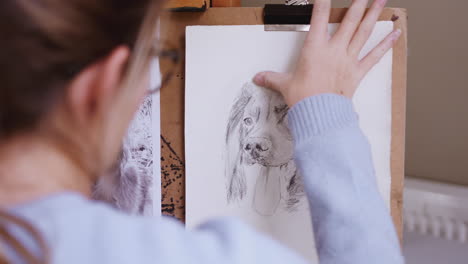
(257, 135)
(127, 186)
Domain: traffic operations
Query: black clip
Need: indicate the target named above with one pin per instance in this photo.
(287, 14)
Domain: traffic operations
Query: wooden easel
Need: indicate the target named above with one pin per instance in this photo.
(172, 100)
(186, 4)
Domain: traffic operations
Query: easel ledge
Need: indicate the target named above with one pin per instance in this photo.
(180, 5)
(172, 101)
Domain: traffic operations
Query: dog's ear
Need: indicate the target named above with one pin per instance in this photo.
(237, 110)
(236, 183)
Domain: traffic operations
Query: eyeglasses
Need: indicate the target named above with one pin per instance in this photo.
(169, 57)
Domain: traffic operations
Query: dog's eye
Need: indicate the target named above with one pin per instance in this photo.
(280, 109)
(248, 121)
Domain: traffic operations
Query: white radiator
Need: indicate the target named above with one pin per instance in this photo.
(436, 209)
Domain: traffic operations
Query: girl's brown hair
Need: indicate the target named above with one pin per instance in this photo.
(45, 43)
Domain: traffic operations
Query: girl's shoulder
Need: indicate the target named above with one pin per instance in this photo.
(79, 230)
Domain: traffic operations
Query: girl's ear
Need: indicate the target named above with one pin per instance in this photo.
(94, 88)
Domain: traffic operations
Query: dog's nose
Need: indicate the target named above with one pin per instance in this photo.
(257, 144)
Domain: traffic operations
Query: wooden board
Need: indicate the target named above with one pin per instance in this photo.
(172, 102)
(181, 5)
(225, 3)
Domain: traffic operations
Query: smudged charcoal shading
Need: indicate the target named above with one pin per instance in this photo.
(257, 135)
(173, 181)
(128, 185)
(295, 189)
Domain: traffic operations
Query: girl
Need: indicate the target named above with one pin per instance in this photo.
(72, 75)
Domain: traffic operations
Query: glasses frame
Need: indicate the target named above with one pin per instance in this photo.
(164, 50)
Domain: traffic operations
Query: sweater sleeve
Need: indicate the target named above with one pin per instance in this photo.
(350, 220)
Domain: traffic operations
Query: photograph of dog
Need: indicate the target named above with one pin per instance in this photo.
(128, 185)
(257, 134)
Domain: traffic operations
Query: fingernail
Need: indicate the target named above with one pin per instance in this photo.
(259, 78)
(396, 34)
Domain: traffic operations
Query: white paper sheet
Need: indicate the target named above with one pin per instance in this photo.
(155, 79)
(220, 63)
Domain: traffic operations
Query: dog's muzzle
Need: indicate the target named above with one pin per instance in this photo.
(257, 147)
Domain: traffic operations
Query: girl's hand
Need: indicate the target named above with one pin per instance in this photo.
(331, 65)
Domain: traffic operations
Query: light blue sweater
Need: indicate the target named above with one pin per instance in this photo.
(350, 220)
